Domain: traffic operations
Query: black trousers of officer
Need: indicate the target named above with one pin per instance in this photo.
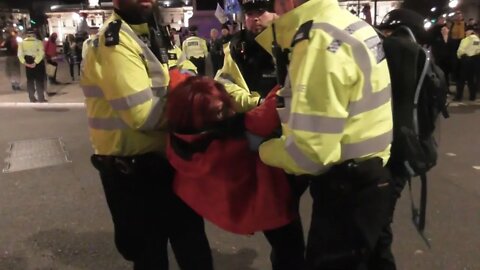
(147, 214)
(200, 64)
(36, 82)
(468, 72)
(351, 206)
(287, 242)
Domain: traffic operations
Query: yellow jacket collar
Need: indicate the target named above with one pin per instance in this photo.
(287, 25)
(139, 29)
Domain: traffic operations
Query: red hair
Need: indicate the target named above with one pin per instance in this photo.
(194, 104)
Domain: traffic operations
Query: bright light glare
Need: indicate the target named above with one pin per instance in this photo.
(451, 14)
(453, 3)
(19, 39)
(433, 9)
(427, 25)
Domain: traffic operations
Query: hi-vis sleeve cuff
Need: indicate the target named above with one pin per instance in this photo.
(275, 153)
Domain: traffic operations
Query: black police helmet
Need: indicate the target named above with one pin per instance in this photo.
(251, 5)
(405, 17)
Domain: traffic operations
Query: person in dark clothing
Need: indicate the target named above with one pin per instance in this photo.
(443, 50)
(73, 52)
(12, 67)
(215, 46)
(256, 79)
(226, 36)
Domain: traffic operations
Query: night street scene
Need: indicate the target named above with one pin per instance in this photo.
(239, 134)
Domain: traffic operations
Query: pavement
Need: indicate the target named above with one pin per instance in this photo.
(56, 218)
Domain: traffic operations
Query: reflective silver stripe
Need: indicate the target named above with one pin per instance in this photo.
(300, 159)
(372, 41)
(316, 123)
(154, 66)
(373, 101)
(225, 78)
(159, 91)
(188, 72)
(131, 101)
(92, 91)
(354, 27)
(155, 114)
(107, 123)
(363, 148)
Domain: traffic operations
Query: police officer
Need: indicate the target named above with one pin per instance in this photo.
(124, 80)
(248, 75)
(196, 50)
(31, 54)
(335, 108)
(248, 71)
(469, 53)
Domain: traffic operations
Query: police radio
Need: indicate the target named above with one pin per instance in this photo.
(281, 59)
(160, 36)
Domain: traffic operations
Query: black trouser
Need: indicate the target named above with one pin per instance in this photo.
(36, 82)
(146, 214)
(351, 206)
(383, 256)
(54, 77)
(200, 64)
(72, 63)
(467, 73)
(287, 242)
(217, 62)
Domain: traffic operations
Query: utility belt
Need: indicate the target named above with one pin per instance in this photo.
(130, 164)
(351, 176)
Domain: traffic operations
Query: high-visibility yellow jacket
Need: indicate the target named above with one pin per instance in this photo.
(33, 47)
(176, 58)
(231, 77)
(469, 46)
(337, 96)
(125, 87)
(195, 47)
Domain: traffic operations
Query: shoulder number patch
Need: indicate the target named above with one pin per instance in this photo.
(303, 33)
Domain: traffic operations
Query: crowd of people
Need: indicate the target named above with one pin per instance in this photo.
(40, 59)
(450, 42)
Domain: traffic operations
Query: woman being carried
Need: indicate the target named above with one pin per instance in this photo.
(219, 172)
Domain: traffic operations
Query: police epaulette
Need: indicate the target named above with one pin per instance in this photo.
(112, 33)
(303, 33)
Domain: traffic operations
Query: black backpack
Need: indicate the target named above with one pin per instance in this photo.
(419, 96)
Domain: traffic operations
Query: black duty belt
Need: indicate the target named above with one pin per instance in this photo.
(124, 164)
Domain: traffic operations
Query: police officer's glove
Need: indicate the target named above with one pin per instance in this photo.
(254, 141)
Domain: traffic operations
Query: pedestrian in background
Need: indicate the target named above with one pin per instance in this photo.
(196, 50)
(31, 54)
(468, 53)
(12, 66)
(443, 50)
(215, 47)
(72, 51)
(335, 109)
(226, 36)
(125, 79)
(51, 56)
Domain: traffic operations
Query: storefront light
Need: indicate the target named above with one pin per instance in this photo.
(433, 9)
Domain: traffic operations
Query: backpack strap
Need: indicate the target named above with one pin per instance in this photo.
(419, 214)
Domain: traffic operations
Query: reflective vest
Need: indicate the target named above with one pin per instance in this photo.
(125, 88)
(31, 47)
(176, 58)
(470, 46)
(195, 47)
(231, 77)
(336, 102)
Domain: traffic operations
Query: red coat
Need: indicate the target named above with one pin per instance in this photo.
(228, 184)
